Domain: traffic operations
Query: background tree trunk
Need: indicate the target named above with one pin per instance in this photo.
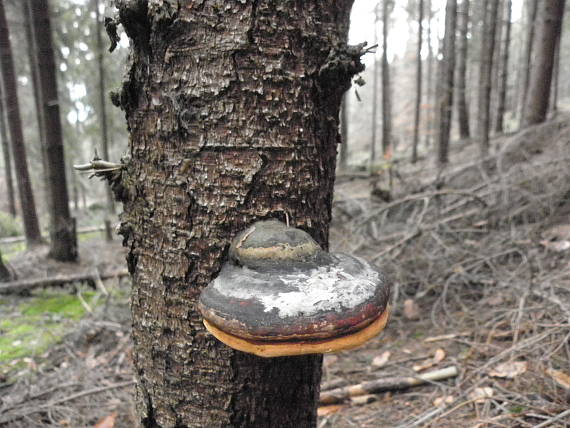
(5, 274)
(27, 204)
(63, 240)
(532, 9)
(429, 88)
(484, 91)
(502, 98)
(375, 75)
(418, 83)
(556, 77)
(40, 120)
(445, 83)
(343, 157)
(462, 106)
(551, 14)
(7, 157)
(103, 114)
(386, 89)
(233, 115)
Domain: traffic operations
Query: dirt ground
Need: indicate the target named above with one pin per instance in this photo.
(479, 258)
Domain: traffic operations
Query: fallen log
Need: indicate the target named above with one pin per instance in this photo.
(25, 285)
(386, 384)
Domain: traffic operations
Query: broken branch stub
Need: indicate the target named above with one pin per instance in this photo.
(280, 294)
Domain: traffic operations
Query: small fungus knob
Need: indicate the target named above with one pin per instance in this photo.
(281, 294)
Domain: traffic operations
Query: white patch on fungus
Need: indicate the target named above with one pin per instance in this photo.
(327, 288)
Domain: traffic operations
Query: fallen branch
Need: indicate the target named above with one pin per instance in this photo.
(16, 239)
(387, 384)
(25, 285)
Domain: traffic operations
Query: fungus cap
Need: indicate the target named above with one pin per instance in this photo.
(281, 294)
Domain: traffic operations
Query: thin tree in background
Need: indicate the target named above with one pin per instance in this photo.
(556, 77)
(462, 48)
(532, 9)
(551, 14)
(27, 204)
(504, 77)
(375, 73)
(386, 89)
(34, 78)
(103, 113)
(63, 240)
(418, 82)
(7, 157)
(343, 157)
(489, 8)
(446, 83)
(430, 61)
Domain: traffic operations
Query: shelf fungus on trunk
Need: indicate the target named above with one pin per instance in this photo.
(280, 294)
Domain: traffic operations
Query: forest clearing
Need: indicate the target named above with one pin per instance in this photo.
(284, 214)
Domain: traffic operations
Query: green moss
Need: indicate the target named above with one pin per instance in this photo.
(65, 305)
(37, 324)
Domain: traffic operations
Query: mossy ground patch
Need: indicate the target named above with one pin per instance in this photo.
(28, 328)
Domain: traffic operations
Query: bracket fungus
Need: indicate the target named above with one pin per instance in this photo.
(280, 294)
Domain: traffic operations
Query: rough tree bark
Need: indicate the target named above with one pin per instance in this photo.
(233, 114)
(418, 82)
(63, 240)
(551, 14)
(27, 204)
(504, 78)
(462, 106)
(103, 113)
(532, 10)
(387, 6)
(445, 84)
(489, 27)
(6, 156)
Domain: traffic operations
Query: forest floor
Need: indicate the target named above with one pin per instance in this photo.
(479, 258)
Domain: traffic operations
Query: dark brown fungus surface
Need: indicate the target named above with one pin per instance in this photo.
(281, 294)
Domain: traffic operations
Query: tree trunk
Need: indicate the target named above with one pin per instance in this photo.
(6, 156)
(30, 218)
(429, 89)
(63, 240)
(386, 88)
(551, 13)
(34, 77)
(462, 106)
(502, 99)
(532, 10)
(418, 83)
(375, 73)
(343, 158)
(445, 86)
(5, 274)
(555, 78)
(485, 74)
(496, 67)
(233, 114)
(103, 115)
